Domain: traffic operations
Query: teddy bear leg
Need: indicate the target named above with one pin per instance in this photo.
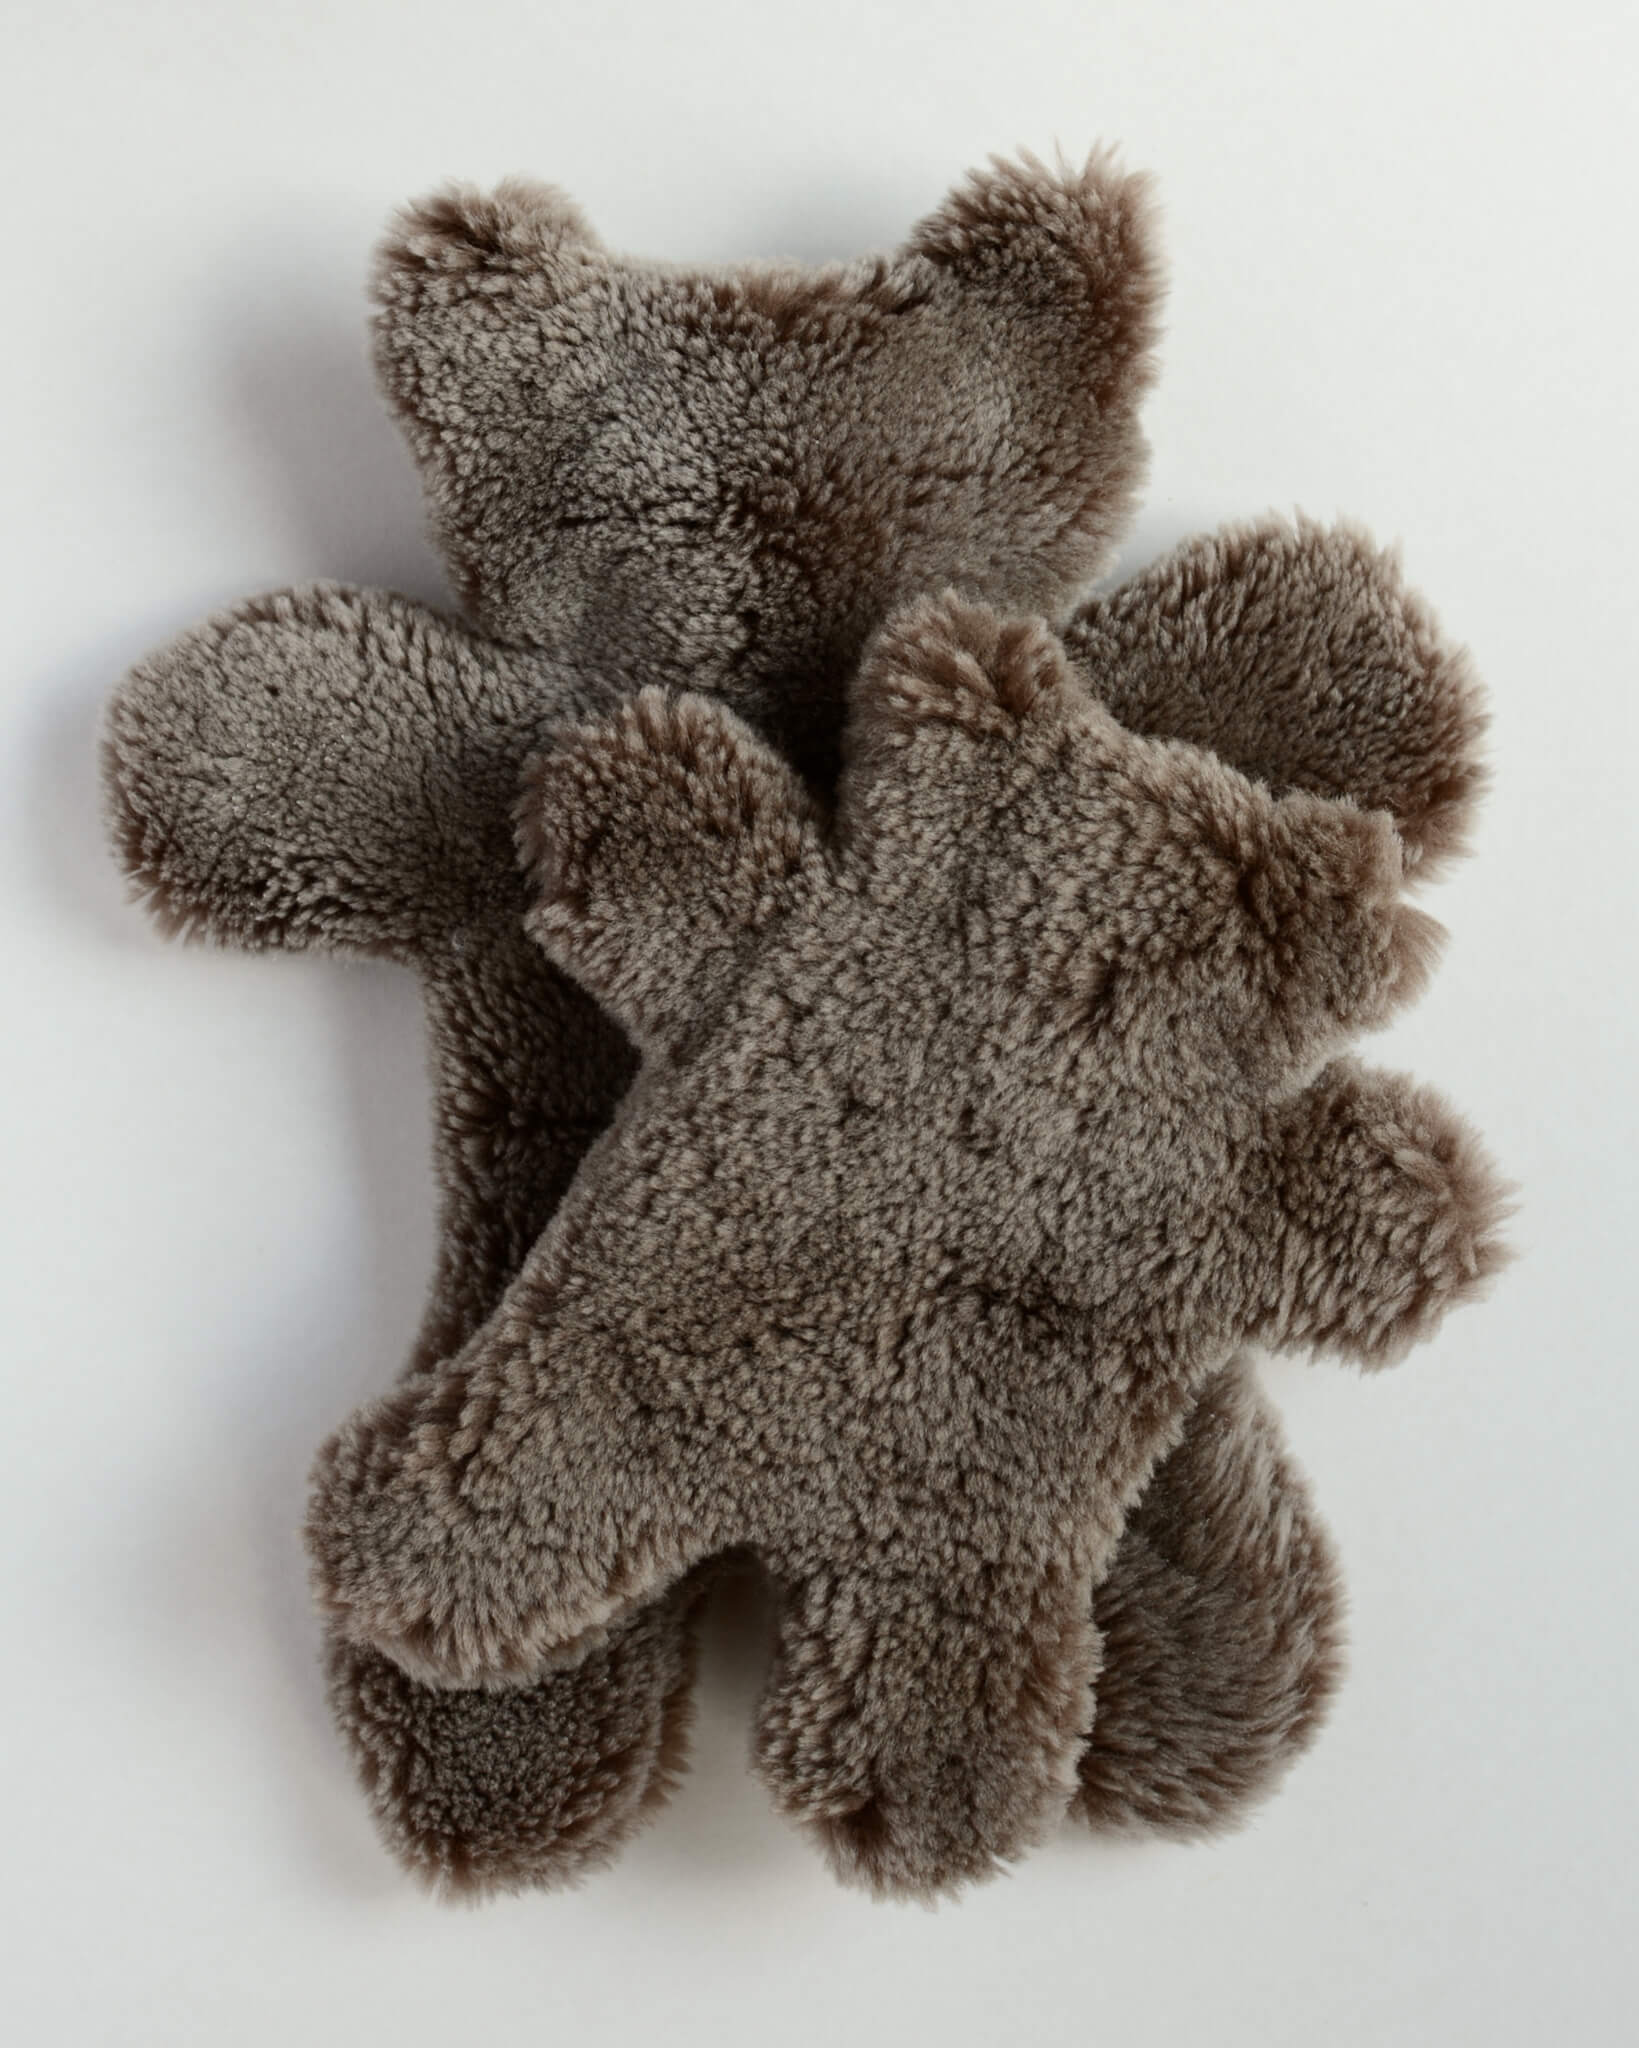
(527, 1072)
(483, 1792)
(476, 1792)
(489, 1520)
(927, 1734)
(1222, 1620)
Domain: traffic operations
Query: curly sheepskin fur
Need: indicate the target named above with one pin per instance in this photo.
(973, 1129)
(712, 479)
(336, 769)
(394, 838)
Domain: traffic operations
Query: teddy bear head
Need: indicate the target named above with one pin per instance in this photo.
(1130, 896)
(719, 479)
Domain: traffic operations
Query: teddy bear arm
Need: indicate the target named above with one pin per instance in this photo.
(1370, 1211)
(1297, 654)
(326, 768)
(485, 1519)
(926, 1729)
(662, 843)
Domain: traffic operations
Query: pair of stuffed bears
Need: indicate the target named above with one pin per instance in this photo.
(889, 1017)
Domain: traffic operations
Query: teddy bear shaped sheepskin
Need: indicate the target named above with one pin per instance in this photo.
(335, 769)
(976, 1125)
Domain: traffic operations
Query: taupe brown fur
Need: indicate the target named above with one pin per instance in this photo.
(1221, 1620)
(714, 479)
(974, 1127)
(335, 769)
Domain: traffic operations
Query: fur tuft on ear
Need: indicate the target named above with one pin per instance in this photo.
(463, 284)
(657, 761)
(461, 230)
(944, 661)
(1097, 224)
(1084, 242)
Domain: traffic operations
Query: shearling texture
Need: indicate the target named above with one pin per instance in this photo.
(973, 1130)
(1221, 1622)
(716, 477)
(711, 478)
(336, 769)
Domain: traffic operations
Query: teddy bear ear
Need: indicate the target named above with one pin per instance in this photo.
(658, 842)
(449, 272)
(950, 701)
(524, 237)
(945, 662)
(1078, 244)
(462, 282)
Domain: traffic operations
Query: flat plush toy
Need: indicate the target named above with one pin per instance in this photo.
(974, 1129)
(336, 769)
(1299, 654)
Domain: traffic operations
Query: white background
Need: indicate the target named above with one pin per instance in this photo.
(1402, 242)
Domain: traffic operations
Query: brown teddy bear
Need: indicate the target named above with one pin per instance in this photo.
(336, 770)
(977, 1123)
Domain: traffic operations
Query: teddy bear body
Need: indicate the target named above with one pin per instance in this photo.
(971, 1135)
(723, 480)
